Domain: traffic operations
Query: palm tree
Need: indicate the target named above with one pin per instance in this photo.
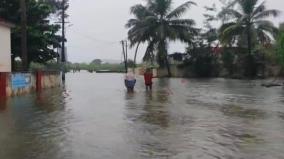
(281, 29)
(247, 24)
(156, 24)
(280, 45)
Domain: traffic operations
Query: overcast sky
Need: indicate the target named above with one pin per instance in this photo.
(97, 26)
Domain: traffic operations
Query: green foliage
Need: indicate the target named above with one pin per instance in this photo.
(49, 66)
(41, 34)
(280, 48)
(111, 67)
(97, 62)
(202, 62)
(36, 66)
(156, 23)
(91, 67)
(248, 27)
(248, 23)
(228, 60)
(210, 34)
(130, 63)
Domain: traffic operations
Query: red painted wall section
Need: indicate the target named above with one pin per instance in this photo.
(39, 75)
(3, 84)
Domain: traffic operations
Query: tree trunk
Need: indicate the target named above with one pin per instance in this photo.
(124, 56)
(249, 39)
(163, 54)
(168, 67)
(250, 62)
(24, 49)
(136, 52)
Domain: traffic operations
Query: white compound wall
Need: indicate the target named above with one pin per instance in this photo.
(5, 48)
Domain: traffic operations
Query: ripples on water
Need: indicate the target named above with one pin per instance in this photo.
(93, 117)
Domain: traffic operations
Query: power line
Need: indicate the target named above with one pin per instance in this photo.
(96, 39)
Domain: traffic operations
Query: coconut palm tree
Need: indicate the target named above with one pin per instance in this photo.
(281, 29)
(280, 45)
(157, 24)
(247, 25)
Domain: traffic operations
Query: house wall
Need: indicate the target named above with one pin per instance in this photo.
(16, 84)
(5, 49)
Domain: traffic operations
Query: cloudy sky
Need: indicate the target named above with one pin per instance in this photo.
(97, 26)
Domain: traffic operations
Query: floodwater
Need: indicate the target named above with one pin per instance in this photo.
(93, 117)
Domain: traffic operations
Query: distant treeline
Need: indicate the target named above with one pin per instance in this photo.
(98, 65)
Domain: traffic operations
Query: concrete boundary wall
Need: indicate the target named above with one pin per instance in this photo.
(3, 84)
(14, 84)
(51, 80)
(176, 72)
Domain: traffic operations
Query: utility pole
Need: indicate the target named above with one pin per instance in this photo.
(126, 48)
(124, 51)
(24, 52)
(126, 55)
(63, 58)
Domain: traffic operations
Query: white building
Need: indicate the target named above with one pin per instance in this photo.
(5, 46)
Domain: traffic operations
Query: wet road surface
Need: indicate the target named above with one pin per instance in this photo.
(93, 117)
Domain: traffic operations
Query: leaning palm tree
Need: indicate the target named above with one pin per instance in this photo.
(247, 25)
(156, 24)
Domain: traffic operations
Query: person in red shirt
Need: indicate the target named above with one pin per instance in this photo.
(148, 76)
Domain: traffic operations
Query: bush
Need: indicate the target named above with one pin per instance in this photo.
(202, 62)
(50, 66)
(280, 49)
(36, 67)
(228, 60)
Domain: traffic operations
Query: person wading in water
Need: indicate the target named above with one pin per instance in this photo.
(130, 81)
(148, 76)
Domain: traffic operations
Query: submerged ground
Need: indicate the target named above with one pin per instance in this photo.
(93, 117)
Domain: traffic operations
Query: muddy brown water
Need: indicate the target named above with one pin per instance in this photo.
(93, 117)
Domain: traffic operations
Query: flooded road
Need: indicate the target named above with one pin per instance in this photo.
(93, 117)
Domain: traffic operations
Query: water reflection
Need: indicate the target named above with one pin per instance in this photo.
(238, 111)
(55, 102)
(148, 111)
(35, 127)
(155, 111)
(281, 115)
(153, 104)
(3, 105)
(178, 119)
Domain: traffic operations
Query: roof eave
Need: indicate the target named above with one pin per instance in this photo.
(7, 24)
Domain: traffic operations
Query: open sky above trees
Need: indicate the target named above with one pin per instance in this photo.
(96, 27)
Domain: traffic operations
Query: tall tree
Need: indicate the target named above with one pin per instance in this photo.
(97, 61)
(157, 24)
(24, 55)
(280, 45)
(210, 34)
(250, 21)
(42, 37)
(247, 23)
